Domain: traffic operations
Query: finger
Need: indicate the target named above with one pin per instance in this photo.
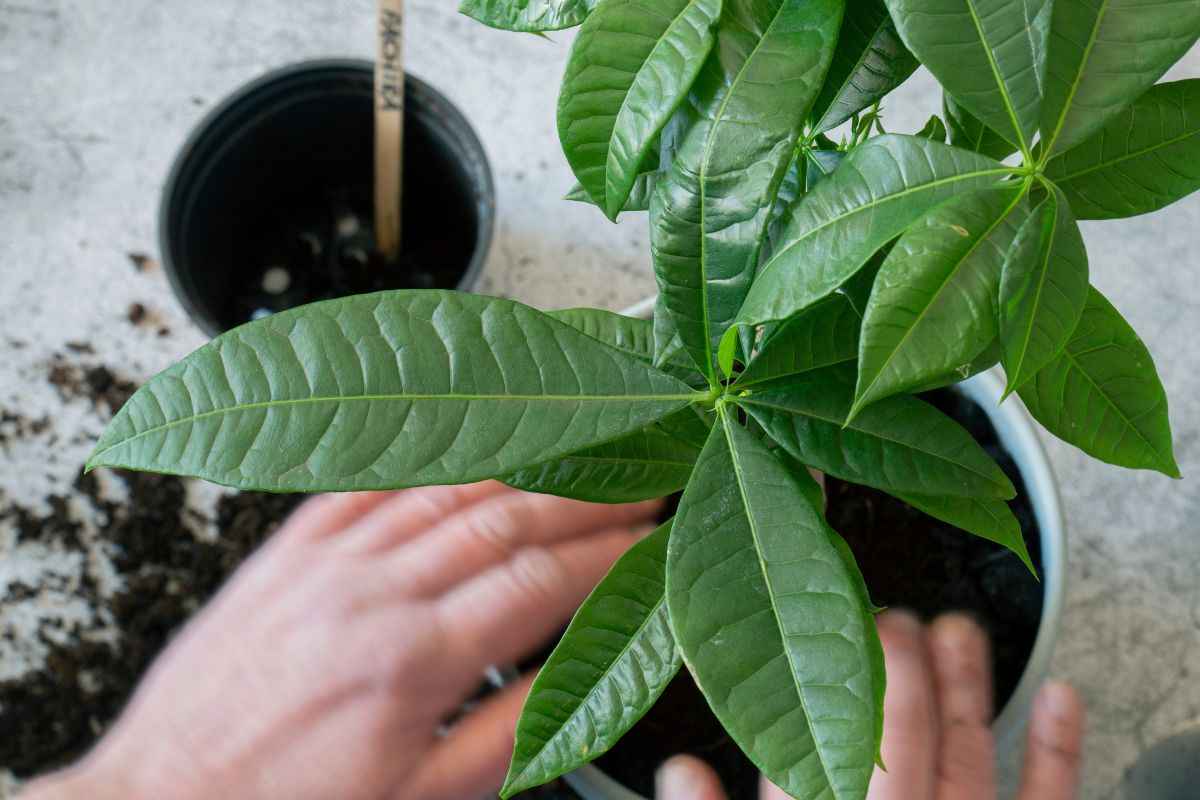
(1055, 749)
(769, 791)
(473, 758)
(910, 732)
(513, 608)
(329, 513)
(963, 680)
(687, 778)
(492, 531)
(407, 514)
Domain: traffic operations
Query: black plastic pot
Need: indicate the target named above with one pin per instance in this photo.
(269, 204)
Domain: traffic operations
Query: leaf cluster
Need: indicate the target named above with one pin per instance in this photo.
(808, 290)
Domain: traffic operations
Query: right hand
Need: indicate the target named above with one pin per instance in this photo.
(937, 736)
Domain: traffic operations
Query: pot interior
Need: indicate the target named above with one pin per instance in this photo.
(271, 203)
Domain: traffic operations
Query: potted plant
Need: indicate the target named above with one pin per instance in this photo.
(808, 290)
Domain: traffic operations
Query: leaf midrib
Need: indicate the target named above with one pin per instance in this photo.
(740, 479)
(1112, 405)
(941, 287)
(842, 424)
(862, 58)
(873, 204)
(1083, 62)
(703, 180)
(1044, 274)
(1127, 156)
(298, 401)
(1000, 84)
(612, 136)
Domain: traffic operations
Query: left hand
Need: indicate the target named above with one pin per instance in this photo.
(327, 665)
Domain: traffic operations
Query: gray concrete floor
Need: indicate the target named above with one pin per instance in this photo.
(95, 98)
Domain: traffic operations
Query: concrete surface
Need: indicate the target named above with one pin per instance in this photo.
(96, 97)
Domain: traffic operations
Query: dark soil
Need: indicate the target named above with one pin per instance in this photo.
(909, 560)
(53, 715)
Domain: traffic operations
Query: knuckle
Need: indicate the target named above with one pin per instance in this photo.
(498, 526)
(538, 574)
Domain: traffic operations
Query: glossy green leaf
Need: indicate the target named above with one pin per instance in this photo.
(821, 164)
(630, 67)
(933, 306)
(1145, 158)
(1104, 54)
(880, 188)
(791, 188)
(1103, 394)
(934, 129)
(709, 213)
(385, 390)
(989, 54)
(770, 622)
(875, 658)
(988, 519)
(647, 464)
(639, 196)
(826, 333)
(528, 15)
(969, 133)
(870, 61)
(816, 496)
(900, 444)
(630, 335)
(989, 358)
(1043, 289)
(615, 659)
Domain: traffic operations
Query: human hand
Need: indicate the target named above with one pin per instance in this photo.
(327, 665)
(937, 738)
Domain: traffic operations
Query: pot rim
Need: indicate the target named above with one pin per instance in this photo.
(1015, 429)
(454, 124)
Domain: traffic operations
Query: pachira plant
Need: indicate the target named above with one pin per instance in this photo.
(808, 289)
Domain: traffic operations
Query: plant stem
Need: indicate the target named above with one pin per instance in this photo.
(389, 127)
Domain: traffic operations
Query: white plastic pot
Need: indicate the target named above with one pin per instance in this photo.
(1015, 429)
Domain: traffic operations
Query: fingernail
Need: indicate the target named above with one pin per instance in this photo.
(1058, 699)
(677, 779)
(902, 619)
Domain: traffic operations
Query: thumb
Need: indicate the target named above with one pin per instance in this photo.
(687, 778)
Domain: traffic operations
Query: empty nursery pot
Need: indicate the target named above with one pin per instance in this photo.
(270, 203)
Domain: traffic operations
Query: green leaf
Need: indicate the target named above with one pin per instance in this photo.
(825, 333)
(530, 16)
(989, 54)
(821, 164)
(934, 129)
(614, 661)
(1043, 289)
(933, 306)
(630, 67)
(1103, 394)
(880, 188)
(989, 358)
(770, 621)
(988, 519)
(385, 390)
(668, 346)
(1103, 56)
(875, 657)
(639, 197)
(709, 213)
(816, 496)
(870, 61)
(900, 444)
(1145, 158)
(969, 133)
(630, 335)
(644, 465)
